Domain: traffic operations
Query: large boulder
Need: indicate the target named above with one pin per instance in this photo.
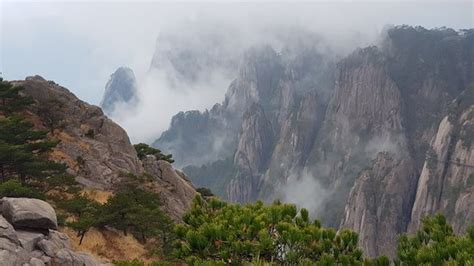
(7, 231)
(29, 213)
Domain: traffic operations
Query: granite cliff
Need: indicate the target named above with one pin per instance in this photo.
(362, 128)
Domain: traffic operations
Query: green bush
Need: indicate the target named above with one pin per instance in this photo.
(234, 234)
(14, 188)
(143, 150)
(205, 192)
(436, 244)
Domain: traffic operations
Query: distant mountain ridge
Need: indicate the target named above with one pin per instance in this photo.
(360, 128)
(120, 89)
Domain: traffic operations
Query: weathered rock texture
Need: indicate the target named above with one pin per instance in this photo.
(174, 187)
(29, 213)
(96, 150)
(379, 201)
(446, 183)
(363, 129)
(39, 245)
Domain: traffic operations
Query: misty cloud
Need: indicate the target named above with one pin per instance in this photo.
(54, 40)
(305, 191)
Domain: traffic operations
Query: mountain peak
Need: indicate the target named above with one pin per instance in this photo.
(120, 89)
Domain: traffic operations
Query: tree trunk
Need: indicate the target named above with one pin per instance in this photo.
(2, 172)
(82, 237)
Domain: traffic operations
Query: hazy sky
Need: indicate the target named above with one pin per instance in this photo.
(79, 44)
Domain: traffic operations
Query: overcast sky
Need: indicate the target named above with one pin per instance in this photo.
(79, 44)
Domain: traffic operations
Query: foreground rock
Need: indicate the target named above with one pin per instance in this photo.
(29, 213)
(39, 245)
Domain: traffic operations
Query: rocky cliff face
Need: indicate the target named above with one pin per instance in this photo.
(362, 119)
(380, 214)
(446, 183)
(175, 189)
(269, 87)
(120, 89)
(253, 151)
(96, 150)
(360, 129)
(381, 203)
(196, 138)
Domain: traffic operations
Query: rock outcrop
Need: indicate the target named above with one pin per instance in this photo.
(29, 213)
(446, 183)
(269, 85)
(196, 138)
(419, 71)
(40, 245)
(175, 188)
(96, 150)
(361, 128)
(379, 201)
(120, 89)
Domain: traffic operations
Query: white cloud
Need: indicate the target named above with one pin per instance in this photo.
(80, 43)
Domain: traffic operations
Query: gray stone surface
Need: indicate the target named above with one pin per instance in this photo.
(35, 246)
(68, 257)
(54, 242)
(36, 262)
(7, 231)
(29, 239)
(29, 213)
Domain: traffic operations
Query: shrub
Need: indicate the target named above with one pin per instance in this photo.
(205, 192)
(143, 150)
(14, 188)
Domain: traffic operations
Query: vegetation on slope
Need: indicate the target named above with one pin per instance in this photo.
(218, 233)
(26, 171)
(214, 232)
(143, 150)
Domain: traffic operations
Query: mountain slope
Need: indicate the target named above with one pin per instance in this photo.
(446, 183)
(95, 149)
(358, 130)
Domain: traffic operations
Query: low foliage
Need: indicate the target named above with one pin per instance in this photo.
(143, 150)
(230, 233)
(14, 188)
(436, 244)
(205, 192)
(132, 210)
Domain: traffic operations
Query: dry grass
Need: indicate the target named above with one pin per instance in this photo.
(100, 196)
(58, 155)
(109, 245)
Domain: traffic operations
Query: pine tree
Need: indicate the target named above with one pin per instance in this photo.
(10, 99)
(23, 150)
(143, 150)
